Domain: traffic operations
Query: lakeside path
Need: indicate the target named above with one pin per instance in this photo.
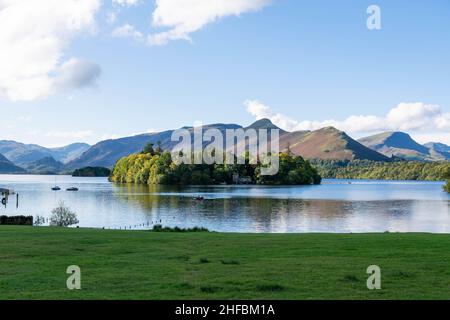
(159, 265)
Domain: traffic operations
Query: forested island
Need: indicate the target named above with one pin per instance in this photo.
(376, 170)
(156, 167)
(92, 172)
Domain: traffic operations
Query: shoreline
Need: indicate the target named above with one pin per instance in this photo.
(188, 231)
(227, 185)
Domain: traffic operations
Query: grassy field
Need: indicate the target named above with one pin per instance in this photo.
(150, 265)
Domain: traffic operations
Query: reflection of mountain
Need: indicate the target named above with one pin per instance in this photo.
(256, 214)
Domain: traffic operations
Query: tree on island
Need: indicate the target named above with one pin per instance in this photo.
(158, 168)
(159, 149)
(92, 172)
(148, 149)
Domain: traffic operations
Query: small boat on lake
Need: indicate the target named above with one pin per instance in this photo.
(56, 188)
(72, 189)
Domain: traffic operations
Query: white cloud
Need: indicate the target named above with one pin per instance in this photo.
(126, 3)
(422, 120)
(183, 17)
(62, 138)
(127, 31)
(70, 134)
(146, 132)
(260, 111)
(33, 38)
(432, 137)
(111, 17)
(25, 118)
(180, 18)
(76, 74)
(110, 136)
(418, 116)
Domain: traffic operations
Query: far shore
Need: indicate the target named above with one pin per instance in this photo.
(324, 179)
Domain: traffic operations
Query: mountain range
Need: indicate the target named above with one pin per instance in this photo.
(20, 153)
(327, 143)
(401, 145)
(7, 166)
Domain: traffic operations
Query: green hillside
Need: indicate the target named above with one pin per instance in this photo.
(7, 166)
(399, 170)
(328, 144)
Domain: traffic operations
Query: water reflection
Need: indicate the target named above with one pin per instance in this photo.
(335, 206)
(223, 211)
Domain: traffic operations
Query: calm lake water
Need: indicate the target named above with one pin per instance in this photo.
(334, 206)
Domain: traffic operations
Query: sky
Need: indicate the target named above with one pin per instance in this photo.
(89, 70)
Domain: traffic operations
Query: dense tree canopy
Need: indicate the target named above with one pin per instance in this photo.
(399, 170)
(92, 172)
(155, 167)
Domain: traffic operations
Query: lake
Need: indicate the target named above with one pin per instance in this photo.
(335, 206)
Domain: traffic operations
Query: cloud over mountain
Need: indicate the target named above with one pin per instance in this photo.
(416, 117)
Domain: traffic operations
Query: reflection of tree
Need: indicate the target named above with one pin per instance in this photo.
(172, 203)
(332, 209)
(148, 197)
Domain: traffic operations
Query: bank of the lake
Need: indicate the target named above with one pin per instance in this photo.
(149, 265)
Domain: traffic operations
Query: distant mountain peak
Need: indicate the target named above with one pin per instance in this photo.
(7, 166)
(397, 134)
(439, 150)
(46, 165)
(402, 145)
(330, 129)
(403, 140)
(327, 143)
(22, 154)
(437, 145)
(220, 126)
(264, 123)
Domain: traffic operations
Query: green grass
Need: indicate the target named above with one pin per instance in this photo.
(155, 265)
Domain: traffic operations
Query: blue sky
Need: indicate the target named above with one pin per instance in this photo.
(304, 64)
